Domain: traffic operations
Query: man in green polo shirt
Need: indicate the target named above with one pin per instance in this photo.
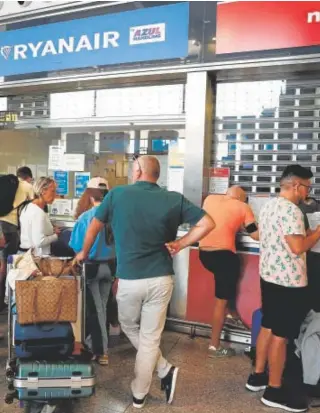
(145, 220)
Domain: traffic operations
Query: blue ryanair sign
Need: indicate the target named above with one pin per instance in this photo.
(154, 33)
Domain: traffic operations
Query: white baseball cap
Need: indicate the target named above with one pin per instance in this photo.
(98, 183)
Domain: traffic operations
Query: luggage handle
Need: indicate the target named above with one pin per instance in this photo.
(28, 348)
(42, 327)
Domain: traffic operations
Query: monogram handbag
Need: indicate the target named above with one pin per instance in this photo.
(47, 300)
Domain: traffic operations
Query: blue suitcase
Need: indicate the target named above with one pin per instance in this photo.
(256, 326)
(47, 341)
(53, 381)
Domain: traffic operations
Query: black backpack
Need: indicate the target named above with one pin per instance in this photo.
(8, 189)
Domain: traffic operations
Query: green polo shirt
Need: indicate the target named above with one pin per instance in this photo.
(143, 218)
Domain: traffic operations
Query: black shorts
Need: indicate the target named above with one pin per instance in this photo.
(284, 309)
(12, 238)
(225, 265)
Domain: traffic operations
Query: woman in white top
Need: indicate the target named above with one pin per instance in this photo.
(37, 232)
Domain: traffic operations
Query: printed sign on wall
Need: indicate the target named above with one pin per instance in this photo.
(62, 181)
(56, 154)
(81, 180)
(153, 33)
(219, 180)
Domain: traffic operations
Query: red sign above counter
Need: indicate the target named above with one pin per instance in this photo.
(245, 26)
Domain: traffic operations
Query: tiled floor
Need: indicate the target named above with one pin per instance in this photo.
(204, 385)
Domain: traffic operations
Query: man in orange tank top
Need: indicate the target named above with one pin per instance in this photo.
(218, 254)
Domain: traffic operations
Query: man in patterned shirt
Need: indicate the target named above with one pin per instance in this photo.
(283, 246)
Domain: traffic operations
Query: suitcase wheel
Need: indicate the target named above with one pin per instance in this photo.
(10, 386)
(9, 397)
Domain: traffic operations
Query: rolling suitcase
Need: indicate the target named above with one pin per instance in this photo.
(47, 341)
(54, 381)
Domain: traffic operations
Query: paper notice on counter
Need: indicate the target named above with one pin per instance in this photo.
(61, 207)
(314, 221)
(219, 180)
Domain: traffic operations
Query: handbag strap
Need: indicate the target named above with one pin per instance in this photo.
(72, 270)
(48, 266)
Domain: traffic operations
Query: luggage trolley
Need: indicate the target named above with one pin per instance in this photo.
(42, 385)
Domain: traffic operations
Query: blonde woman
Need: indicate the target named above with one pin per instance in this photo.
(36, 230)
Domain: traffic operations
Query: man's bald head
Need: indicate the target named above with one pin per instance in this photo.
(146, 168)
(237, 192)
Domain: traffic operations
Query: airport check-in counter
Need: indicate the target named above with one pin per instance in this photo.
(63, 222)
(192, 303)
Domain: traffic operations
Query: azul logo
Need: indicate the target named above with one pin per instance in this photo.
(151, 33)
(60, 46)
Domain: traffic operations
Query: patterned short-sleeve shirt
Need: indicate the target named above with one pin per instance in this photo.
(278, 264)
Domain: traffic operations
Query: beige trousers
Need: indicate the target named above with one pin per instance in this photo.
(142, 306)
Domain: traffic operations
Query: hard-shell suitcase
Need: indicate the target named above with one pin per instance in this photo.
(51, 381)
(47, 341)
